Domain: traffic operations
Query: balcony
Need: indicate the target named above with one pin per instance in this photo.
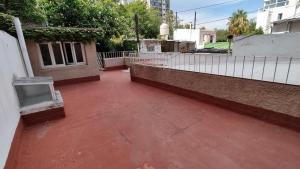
(116, 123)
(274, 4)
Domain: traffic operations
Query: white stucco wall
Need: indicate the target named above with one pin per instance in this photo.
(155, 44)
(265, 17)
(195, 35)
(114, 62)
(189, 35)
(263, 21)
(10, 64)
(271, 45)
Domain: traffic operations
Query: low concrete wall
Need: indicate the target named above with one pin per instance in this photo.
(272, 45)
(114, 62)
(273, 102)
(146, 44)
(90, 69)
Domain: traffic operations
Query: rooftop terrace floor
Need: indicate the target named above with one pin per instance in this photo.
(118, 124)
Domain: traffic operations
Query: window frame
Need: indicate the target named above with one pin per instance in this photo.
(52, 57)
(279, 16)
(74, 53)
(63, 54)
(83, 54)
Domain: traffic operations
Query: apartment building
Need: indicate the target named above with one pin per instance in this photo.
(162, 5)
(276, 10)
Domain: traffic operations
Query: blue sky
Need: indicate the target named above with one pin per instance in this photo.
(215, 12)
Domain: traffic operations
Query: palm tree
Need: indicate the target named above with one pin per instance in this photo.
(238, 23)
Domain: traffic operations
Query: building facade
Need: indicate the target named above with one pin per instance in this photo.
(150, 46)
(64, 60)
(201, 37)
(162, 5)
(276, 10)
(286, 26)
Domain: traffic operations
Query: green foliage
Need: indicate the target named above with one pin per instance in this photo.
(104, 14)
(222, 35)
(66, 13)
(149, 19)
(52, 33)
(85, 13)
(6, 23)
(259, 31)
(238, 23)
(252, 29)
(105, 20)
(170, 19)
(218, 45)
(63, 34)
(117, 44)
(129, 45)
(114, 44)
(28, 11)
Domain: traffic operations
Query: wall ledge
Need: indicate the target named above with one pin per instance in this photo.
(116, 68)
(268, 115)
(76, 80)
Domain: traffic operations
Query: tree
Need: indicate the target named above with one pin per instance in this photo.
(170, 20)
(149, 19)
(116, 20)
(105, 14)
(27, 10)
(238, 23)
(252, 28)
(222, 35)
(67, 13)
(83, 13)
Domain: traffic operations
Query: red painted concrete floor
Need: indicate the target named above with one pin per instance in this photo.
(117, 124)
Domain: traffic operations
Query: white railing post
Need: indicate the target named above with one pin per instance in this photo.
(218, 64)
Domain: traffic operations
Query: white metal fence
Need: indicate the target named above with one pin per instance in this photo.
(116, 54)
(272, 69)
(110, 59)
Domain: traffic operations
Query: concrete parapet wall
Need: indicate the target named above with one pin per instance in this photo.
(114, 62)
(272, 102)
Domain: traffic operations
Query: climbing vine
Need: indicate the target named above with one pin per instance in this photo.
(63, 34)
(52, 33)
(6, 23)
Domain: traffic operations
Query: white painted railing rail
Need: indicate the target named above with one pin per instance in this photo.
(107, 59)
(284, 70)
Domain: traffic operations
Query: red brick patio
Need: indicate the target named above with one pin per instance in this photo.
(117, 124)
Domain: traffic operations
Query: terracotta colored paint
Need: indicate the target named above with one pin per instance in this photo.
(118, 124)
